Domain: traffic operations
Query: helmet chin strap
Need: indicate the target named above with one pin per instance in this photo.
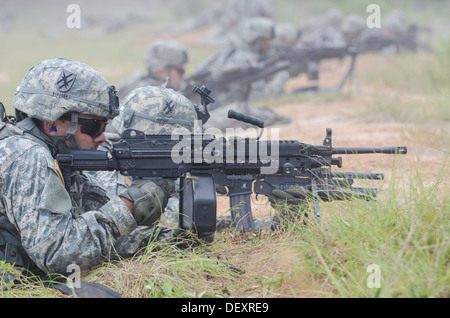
(70, 136)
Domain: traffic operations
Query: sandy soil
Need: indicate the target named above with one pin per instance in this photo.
(311, 117)
(345, 114)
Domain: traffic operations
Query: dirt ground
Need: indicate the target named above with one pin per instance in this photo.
(311, 116)
(352, 126)
(343, 113)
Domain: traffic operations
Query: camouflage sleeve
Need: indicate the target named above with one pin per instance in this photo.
(240, 59)
(41, 209)
(113, 182)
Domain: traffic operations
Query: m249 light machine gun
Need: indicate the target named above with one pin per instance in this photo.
(309, 59)
(303, 166)
(243, 165)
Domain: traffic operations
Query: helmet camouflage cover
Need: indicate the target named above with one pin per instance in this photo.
(257, 28)
(155, 110)
(162, 54)
(286, 35)
(353, 24)
(54, 87)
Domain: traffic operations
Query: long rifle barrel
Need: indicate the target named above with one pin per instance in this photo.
(358, 175)
(357, 151)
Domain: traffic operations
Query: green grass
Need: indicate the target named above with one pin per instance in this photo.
(416, 90)
(405, 232)
(168, 272)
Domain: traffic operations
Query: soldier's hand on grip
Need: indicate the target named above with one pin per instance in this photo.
(149, 200)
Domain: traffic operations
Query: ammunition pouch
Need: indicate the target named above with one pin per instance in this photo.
(11, 250)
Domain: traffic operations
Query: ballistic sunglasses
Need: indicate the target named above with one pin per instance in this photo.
(90, 127)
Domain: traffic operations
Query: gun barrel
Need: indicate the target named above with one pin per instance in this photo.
(357, 151)
(358, 175)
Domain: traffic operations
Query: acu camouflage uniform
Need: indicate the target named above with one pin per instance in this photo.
(240, 56)
(159, 55)
(54, 227)
(324, 31)
(153, 110)
(286, 37)
(227, 23)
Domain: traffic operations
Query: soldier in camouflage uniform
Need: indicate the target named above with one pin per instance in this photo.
(323, 31)
(256, 36)
(153, 110)
(165, 61)
(286, 37)
(228, 23)
(63, 104)
(353, 26)
(395, 30)
(158, 110)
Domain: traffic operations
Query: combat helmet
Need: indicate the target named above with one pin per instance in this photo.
(353, 24)
(54, 87)
(257, 28)
(165, 53)
(155, 110)
(395, 22)
(286, 35)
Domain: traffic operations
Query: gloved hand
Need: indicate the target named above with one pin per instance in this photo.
(149, 200)
(166, 185)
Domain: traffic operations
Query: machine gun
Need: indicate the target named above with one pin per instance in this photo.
(243, 165)
(407, 40)
(309, 59)
(301, 165)
(244, 77)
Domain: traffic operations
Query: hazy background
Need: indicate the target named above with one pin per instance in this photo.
(114, 35)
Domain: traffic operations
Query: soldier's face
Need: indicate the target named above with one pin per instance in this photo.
(84, 140)
(176, 75)
(265, 45)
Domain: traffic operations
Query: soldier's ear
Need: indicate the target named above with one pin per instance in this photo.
(50, 128)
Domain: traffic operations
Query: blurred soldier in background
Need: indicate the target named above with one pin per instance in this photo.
(323, 31)
(164, 61)
(353, 27)
(393, 36)
(286, 37)
(227, 28)
(254, 47)
(395, 30)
